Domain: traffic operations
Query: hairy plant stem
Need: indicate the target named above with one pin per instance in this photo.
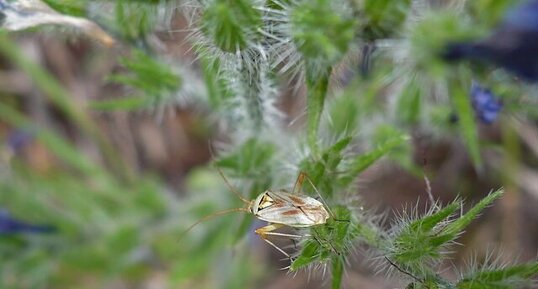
(317, 91)
(252, 78)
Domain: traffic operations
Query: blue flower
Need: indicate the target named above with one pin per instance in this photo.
(18, 140)
(485, 103)
(523, 17)
(10, 225)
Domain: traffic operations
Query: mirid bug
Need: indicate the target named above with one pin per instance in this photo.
(280, 209)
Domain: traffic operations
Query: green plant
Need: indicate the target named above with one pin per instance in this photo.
(116, 223)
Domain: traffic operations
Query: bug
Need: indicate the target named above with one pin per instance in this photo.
(280, 209)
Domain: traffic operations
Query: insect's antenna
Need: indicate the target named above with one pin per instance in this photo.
(234, 190)
(323, 200)
(208, 217)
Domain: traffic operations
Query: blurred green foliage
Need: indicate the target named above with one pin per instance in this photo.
(69, 7)
(382, 18)
(119, 225)
(232, 24)
(154, 82)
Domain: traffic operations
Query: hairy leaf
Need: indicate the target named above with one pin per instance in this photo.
(459, 225)
(363, 161)
(466, 124)
(515, 276)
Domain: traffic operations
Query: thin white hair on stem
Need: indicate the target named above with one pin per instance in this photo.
(494, 259)
(429, 191)
(244, 74)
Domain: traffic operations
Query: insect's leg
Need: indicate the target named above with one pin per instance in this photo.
(291, 236)
(268, 230)
(299, 183)
(278, 248)
(264, 231)
(294, 243)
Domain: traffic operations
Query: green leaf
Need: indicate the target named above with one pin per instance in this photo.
(337, 271)
(152, 78)
(232, 24)
(123, 103)
(403, 153)
(339, 231)
(331, 242)
(418, 241)
(383, 18)
(70, 7)
(507, 278)
(308, 254)
(421, 240)
(466, 124)
(321, 171)
(362, 162)
(217, 87)
(317, 91)
(322, 40)
(135, 20)
(339, 146)
(426, 224)
(368, 233)
(249, 159)
(344, 114)
(341, 226)
(409, 104)
(458, 225)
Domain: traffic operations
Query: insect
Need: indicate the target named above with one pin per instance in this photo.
(280, 209)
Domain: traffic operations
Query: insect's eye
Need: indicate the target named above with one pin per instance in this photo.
(265, 202)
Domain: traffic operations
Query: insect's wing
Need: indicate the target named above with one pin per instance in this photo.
(286, 215)
(295, 200)
(293, 210)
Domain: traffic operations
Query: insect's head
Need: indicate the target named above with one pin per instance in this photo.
(261, 202)
(251, 206)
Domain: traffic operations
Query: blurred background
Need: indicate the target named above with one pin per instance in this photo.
(110, 127)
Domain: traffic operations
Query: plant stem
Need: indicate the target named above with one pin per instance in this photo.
(317, 91)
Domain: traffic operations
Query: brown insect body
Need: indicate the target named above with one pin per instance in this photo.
(292, 210)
